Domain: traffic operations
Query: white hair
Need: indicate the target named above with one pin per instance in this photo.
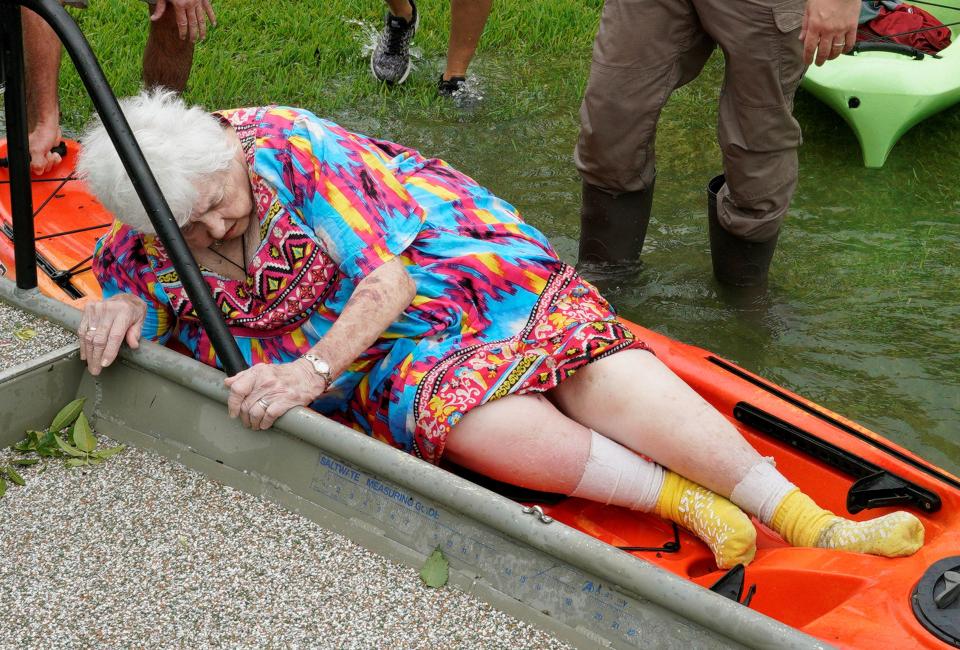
(182, 144)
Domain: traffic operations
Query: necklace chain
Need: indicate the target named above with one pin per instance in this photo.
(243, 253)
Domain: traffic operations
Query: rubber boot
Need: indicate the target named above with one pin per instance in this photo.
(612, 230)
(736, 261)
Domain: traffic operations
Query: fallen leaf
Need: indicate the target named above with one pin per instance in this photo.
(82, 435)
(68, 448)
(24, 333)
(67, 415)
(14, 476)
(436, 570)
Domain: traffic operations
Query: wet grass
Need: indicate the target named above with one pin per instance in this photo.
(312, 54)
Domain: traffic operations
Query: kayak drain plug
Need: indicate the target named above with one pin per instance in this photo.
(936, 600)
(853, 102)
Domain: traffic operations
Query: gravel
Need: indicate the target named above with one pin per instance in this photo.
(144, 552)
(24, 337)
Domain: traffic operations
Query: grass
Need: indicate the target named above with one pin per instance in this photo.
(311, 54)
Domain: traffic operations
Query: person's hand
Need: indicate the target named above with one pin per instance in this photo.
(829, 29)
(261, 394)
(42, 139)
(105, 324)
(191, 15)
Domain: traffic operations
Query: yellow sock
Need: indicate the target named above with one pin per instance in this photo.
(803, 523)
(723, 526)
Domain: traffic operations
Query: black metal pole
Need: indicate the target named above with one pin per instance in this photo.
(15, 111)
(143, 181)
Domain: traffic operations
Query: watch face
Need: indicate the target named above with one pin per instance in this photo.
(320, 366)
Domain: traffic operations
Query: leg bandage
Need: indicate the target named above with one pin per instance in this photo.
(761, 490)
(615, 475)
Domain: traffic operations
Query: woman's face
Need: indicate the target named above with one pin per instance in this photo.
(224, 207)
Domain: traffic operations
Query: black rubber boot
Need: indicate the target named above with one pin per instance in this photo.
(612, 230)
(736, 262)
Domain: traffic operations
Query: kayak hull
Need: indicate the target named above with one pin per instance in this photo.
(882, 95)
(61, 204)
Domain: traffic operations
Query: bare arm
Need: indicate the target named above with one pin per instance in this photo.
(378, 301)
(42, 60)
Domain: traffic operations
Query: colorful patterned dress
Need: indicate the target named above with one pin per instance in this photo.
(496, 312)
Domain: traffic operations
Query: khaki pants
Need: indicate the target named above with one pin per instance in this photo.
(647, 48)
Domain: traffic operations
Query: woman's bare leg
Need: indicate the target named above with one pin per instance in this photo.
(526, 441)
(633, 398)
(636, 400)
(467, 20)
(523, 440)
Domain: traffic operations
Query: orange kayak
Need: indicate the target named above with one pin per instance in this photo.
(846, 599)
(67, 222)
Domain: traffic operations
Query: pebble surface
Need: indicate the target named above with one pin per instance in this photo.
(144, 552)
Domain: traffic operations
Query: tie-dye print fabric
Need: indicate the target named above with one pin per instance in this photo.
(496, 312)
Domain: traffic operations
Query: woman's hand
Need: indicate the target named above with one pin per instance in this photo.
(261, 394)
(104, 326)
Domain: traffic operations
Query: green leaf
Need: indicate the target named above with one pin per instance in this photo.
(69, 449)
(14, 476)
(48, 446)
(24, 333)
(82, 435)
(76, 462)
(67, 415)
(3, 487)
(23, 462)
(104, 454)
(29, 443)
(436, 570)
(47, 452)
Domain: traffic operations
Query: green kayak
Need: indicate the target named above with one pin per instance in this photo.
(885, 89)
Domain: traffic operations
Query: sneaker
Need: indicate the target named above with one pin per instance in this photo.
(450, 87)
(391, 57)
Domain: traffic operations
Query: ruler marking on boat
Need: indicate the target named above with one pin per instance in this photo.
(558, 589)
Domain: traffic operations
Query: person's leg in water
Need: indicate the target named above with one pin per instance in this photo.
(42, 62)
(467, 20)
(168, 55)
(526, 441)
(631, 397)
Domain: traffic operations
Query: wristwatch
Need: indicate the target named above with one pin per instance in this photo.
(320, 367)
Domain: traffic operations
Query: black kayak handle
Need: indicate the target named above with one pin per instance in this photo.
(884, 46)
(58, 149)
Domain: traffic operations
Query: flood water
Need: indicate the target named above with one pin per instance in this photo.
(863, 309)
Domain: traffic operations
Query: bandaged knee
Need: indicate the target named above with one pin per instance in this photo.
(615, 475)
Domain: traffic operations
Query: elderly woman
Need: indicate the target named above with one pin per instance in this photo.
(391, 292)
